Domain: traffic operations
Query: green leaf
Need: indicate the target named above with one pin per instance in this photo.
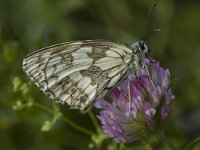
(191, 145)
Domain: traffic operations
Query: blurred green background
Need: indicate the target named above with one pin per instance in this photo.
(27, 25)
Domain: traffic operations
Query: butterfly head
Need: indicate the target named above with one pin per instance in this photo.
(140, 47)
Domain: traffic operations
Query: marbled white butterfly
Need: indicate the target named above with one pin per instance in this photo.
(77, 72)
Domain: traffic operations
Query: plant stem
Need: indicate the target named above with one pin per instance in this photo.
(77, 127)
(94, 121)
(43, 107)
(67, 120)
(166, 141)
(148, 146)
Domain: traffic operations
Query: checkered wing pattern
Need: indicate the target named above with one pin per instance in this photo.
(77, 72)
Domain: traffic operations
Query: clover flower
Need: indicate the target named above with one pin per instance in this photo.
(138, 105)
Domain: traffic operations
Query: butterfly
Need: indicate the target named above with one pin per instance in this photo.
(77, 72)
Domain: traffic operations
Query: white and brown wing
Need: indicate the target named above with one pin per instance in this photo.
(76, 72)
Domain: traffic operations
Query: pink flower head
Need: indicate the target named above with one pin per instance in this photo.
(137, 105)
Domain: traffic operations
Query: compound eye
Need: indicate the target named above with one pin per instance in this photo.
(141, 46)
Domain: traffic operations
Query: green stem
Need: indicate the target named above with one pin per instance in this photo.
(77, 127)
(166, 141)
(43, 107)
(94, 121)
(67, 120)
(148, 146)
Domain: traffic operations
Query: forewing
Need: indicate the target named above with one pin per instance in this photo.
(76, 72)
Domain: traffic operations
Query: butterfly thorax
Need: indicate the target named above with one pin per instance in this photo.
(140, 49)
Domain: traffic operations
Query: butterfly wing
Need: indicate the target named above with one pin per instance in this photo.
(76, 72)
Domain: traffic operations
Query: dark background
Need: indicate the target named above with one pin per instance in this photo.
(27, 25)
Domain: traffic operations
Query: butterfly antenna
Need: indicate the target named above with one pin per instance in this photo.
(147, 18)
